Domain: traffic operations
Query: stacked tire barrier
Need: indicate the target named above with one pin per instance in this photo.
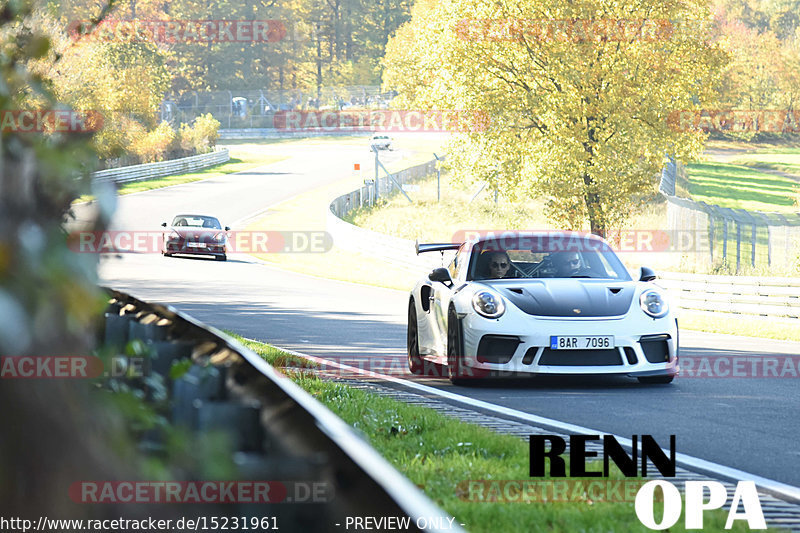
(278, 432)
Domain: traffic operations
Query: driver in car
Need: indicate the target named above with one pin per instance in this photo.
(497, 265)
(567, 264)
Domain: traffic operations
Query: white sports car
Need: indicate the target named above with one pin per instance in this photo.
(540, 303)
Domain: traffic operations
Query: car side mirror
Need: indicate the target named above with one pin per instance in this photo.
(646, 274)
(442, 275)
(227, 228)
(163, 224)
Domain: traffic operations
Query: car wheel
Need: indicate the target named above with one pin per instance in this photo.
(455, 350)
(166, 254)
(415, 364)
(656, 380)
(221, 257)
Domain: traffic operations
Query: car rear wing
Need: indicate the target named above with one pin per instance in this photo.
(435, 247)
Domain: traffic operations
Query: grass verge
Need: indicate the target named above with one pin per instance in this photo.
(273, 356)
(243, 157)
(784, 160)
(442, 455)
(339, 264)
(741, 187)
(737, 325)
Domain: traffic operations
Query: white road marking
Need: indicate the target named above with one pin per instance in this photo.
(776, 488)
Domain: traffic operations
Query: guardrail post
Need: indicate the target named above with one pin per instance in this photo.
(724, 238)
(785, 222)
(711, 230)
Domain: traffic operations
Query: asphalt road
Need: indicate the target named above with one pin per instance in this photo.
(752, 424)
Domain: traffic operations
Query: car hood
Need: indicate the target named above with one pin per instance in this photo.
(568, 297)
(196, 234)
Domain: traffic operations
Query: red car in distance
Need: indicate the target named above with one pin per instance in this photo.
(196, 235)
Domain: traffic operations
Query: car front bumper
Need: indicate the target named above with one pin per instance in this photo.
(642, 346)
(181, 247)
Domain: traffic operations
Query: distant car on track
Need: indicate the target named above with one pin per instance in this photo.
(196, 235)
(540, 303)
(380, 142)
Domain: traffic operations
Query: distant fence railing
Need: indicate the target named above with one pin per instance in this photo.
(393, 249)
(255, 108)
(149, 171)
(272, 133)
(733, 235)
(742, 295)
(384, 185)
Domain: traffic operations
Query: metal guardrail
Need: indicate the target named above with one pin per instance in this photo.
(160, 169)
(366, 195)
(394, 250)
(742, 295)
(745, 295)
(279, 431)
(735, 235)
(272, 133)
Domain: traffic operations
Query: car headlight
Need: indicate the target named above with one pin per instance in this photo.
(488, 304)
(174, 236)
(219, 237)
(653, 304)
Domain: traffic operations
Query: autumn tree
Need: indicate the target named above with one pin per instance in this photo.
(763, 40)
(579, 94)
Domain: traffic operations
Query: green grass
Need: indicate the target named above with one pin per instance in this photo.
(739, 325)
(242, 159)
(244, 156)
(312, 207)
(781, 159)
(741, 187)
(441, 455)
(274, 356)
(429, 220)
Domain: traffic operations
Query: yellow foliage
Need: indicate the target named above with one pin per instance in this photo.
(579, 110)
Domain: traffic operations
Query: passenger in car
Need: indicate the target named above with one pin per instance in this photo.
(496, 265)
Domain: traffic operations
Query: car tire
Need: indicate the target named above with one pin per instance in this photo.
(166, 254)
(455, 349)
(656, 380)
(415, 363)
(221, 257)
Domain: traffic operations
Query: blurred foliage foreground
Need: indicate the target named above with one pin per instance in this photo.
(54, 431)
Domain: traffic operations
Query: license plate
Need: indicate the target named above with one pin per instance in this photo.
(196, 244)
(594, 342)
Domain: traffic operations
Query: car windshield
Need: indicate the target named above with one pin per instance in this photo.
(547, 256)
(194, 221)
